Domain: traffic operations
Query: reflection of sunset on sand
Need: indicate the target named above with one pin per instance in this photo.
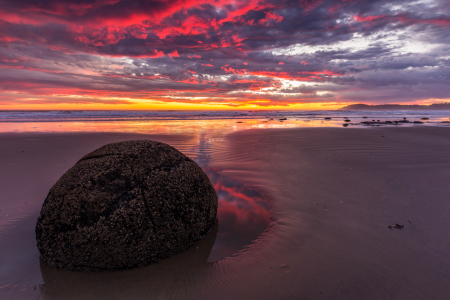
(243, 215)
(242, 218)
(332, 193)
(160, 127)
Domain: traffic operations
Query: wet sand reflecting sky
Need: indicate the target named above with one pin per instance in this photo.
(243, 215)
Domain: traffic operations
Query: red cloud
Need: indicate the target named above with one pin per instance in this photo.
(232, 70)
(368, 18)
(173, 54)
(270, 17)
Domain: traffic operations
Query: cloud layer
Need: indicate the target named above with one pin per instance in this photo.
(223, 52)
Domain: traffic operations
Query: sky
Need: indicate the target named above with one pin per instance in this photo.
(222, 54)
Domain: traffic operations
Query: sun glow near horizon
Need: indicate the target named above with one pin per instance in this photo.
(58, 102)
(145, 105)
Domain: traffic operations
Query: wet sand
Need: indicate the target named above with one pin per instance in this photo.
(332, 192)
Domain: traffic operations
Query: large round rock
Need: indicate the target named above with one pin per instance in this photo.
(125, 205)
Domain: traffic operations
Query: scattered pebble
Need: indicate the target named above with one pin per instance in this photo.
(396, 226)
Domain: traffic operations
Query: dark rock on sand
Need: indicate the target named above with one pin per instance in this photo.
(396, 226)
(125, 205)
(398, 122)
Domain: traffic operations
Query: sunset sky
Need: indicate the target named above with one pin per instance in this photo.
(222, 54)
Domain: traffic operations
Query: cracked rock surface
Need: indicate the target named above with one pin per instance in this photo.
(125, 205)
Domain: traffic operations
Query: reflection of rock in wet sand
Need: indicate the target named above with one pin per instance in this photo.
(175, 276)
(243, 215)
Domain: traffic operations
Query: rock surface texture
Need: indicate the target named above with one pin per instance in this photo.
(125, 205)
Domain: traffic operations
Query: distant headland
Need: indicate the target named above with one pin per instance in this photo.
(438, 106)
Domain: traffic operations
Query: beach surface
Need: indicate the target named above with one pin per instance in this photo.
(332, 193)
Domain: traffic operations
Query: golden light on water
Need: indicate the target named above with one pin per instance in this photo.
(221, 126)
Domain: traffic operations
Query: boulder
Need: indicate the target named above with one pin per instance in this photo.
(125, 205)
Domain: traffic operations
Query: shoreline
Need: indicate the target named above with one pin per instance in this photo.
(332, 194)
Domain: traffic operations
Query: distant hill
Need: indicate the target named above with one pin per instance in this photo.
(440, 106)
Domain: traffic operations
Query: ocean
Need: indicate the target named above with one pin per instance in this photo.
(215, 122)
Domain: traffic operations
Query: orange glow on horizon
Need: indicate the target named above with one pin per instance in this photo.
(260, 104)
(250, 105)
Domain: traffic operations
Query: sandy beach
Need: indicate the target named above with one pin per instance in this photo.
(332, 193)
